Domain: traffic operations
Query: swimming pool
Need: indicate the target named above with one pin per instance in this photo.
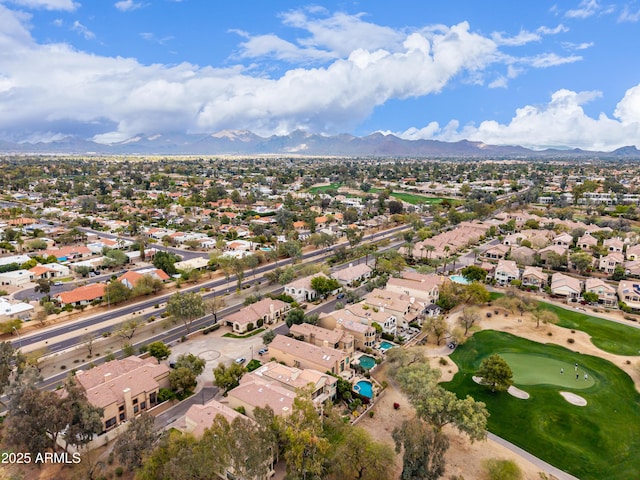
(459, 279)
(384, 345)
(364, 388)
(367, 362)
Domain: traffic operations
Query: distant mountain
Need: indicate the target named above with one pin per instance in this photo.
(242, 142)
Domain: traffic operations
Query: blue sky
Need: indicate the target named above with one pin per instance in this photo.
(540, 74)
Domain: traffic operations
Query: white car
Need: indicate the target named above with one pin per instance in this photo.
(57, 284)
(240, 360)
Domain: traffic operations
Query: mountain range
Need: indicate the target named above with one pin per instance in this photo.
(242, 142)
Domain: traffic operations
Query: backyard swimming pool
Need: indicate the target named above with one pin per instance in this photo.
(364, 388)
(384, 345)
(459, 279)
(367, 362)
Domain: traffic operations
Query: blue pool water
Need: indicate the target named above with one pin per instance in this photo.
(459, 279)
(364, 387)
(367, 362)
(384, 345)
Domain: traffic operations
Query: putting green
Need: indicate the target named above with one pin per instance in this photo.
(530, 369)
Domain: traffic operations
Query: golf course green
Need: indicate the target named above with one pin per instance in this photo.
(541, 370)
(598, 441)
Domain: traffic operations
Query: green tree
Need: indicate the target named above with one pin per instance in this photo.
(43, 286)
(159, 351)
(186, 307)
(590, 297)
(473, 273)
(128, 328)
(85, 419)
(116, 292)
(11, 326)
(137, 442)
(268, 336)
(11, 362)
(182, 380)
(295, 317)
(243, 444)
(291, 249)
(238, 265)
(36, 418)
(180, 456)
(542, 315)
(619, 273)
(358, 456)
(437, 406)
(194, 363)
(115, 258)
(495, 372)
(475, 294)
(424, 449)
(229, 377)
(147, 285)
(468, 318)
(306, 449)
(165, 261)
(582, 260)
(436, 326)
(324, 285)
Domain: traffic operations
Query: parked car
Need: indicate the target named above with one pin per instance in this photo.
(57, 284)
(240, 360)
(262, 351)
(340, 295)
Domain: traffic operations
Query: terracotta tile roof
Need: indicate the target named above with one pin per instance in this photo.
(200, 417)
(105, 383)
(86, 293)
(259, 394)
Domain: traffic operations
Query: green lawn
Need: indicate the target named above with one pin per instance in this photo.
(598, 441)
(533, 369)
(324, 188)
(609, 336)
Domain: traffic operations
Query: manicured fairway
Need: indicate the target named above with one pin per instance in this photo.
(598, 441)
(609, 336)
(538, 370)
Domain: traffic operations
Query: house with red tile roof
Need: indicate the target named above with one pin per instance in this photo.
(82, 295)
(266, 311)
(131, 278)
(124, 388)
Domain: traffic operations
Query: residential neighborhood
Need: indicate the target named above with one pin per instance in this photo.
(265, 292)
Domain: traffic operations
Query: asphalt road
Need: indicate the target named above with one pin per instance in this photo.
(43, 335)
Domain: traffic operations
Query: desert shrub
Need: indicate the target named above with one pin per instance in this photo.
(502, 469)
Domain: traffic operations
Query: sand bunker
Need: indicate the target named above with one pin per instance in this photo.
(516, 392)
(574, 399)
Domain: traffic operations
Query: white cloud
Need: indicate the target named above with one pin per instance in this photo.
(586, 9)
(52, 89)
(577, 46)
(331, 37)
(547, 60)
(56, 86)
(128, 5)
(628, 15)
(82, 30)
(561, 123)
(66, 5)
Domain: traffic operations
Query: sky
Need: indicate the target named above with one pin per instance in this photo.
(539, 74)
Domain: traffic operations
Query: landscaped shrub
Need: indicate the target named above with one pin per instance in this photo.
(570, 340)
(166, 394)
(502, 469)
